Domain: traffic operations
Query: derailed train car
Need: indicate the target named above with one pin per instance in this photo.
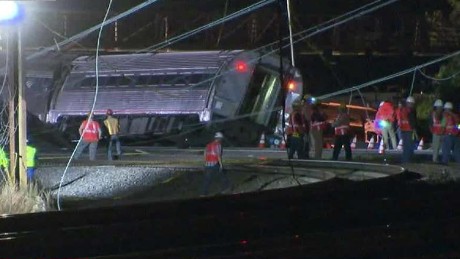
(178, 97)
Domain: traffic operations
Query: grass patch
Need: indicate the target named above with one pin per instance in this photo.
(29, 199)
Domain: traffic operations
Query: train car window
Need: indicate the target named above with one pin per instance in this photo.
(126, 81)
(261, 96)
(88, 82)
(143, 80)
(112, 82)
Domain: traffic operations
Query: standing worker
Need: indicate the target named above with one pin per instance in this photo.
(342, 134)
(384, 119)
(407, 120)
(296, 131)
(90, 132)
(318, 124)
(436, 129)
(4, 163)
(308, 102)
(213, 164)
(450, 122)
(31, 160)
(113, 128)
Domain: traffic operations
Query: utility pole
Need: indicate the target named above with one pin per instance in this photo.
(17, 111)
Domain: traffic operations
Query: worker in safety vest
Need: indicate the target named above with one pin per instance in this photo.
(451, 142)
(31, 160)
(90, 132)
(213, 164)
(113, 129)
(406, 117)
(318, 125)
(342, 134)
(307, 102)
(4, 162)
(296, 131)
(384, 119)
(436, 129)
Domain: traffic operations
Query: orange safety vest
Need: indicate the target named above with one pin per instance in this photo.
(296, 127)
(451, 123)
(403, 120)
(91, 132)
(212, 153)
(341, 130)
(437, 127)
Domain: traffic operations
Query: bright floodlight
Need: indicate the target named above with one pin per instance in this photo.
(10, 12)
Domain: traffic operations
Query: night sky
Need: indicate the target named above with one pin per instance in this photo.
(395, 32)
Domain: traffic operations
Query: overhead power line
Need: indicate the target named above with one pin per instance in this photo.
(389, 77)
(91, 30)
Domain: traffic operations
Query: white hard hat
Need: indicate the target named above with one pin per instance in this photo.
(219, 135)
(410, 99)
(438, 103)
(448, 105)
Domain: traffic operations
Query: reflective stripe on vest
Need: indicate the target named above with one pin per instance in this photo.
(342, 130)
(31, 152)
(436, 128)
(451, 124)
(403, 121)
(318, 125)
(90, 131)
(213, 151)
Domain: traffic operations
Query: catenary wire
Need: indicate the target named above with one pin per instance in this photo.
(93, 105)
(386, 78)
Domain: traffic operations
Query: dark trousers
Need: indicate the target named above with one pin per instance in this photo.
(342, 140)
(450, 143)
(212, 172)
(408, 146)
(296, 144)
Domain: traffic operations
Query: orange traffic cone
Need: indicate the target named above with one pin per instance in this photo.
(262, 140)
(283, 142)
(371, 143)
(400, 145)
(353, 143)
(381, 147)
(420, 145)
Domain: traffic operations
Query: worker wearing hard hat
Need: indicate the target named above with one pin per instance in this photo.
(384, 119)
(113, 129)
(342, 133)
(213, 164)
(406, 117)
(436, 128)
(318, 125)
(296, 131)
(307, 102)
(451, 142)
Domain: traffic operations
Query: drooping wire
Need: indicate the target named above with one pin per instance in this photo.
(389, 77)
(439, 79)
(413, 81)
(92, 107)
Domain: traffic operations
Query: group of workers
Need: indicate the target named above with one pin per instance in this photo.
(307, 123)
(31, 161)
(91, 133)
(306, 126)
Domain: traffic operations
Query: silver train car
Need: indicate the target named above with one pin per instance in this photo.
(178, 97)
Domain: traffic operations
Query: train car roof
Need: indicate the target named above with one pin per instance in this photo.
(206, 60)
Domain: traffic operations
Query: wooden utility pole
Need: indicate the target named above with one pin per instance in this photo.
(18, 119)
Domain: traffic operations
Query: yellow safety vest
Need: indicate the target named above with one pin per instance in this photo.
(31, 152)
(4, 161)
(112, 125)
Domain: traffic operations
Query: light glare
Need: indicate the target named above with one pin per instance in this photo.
(9, 10)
